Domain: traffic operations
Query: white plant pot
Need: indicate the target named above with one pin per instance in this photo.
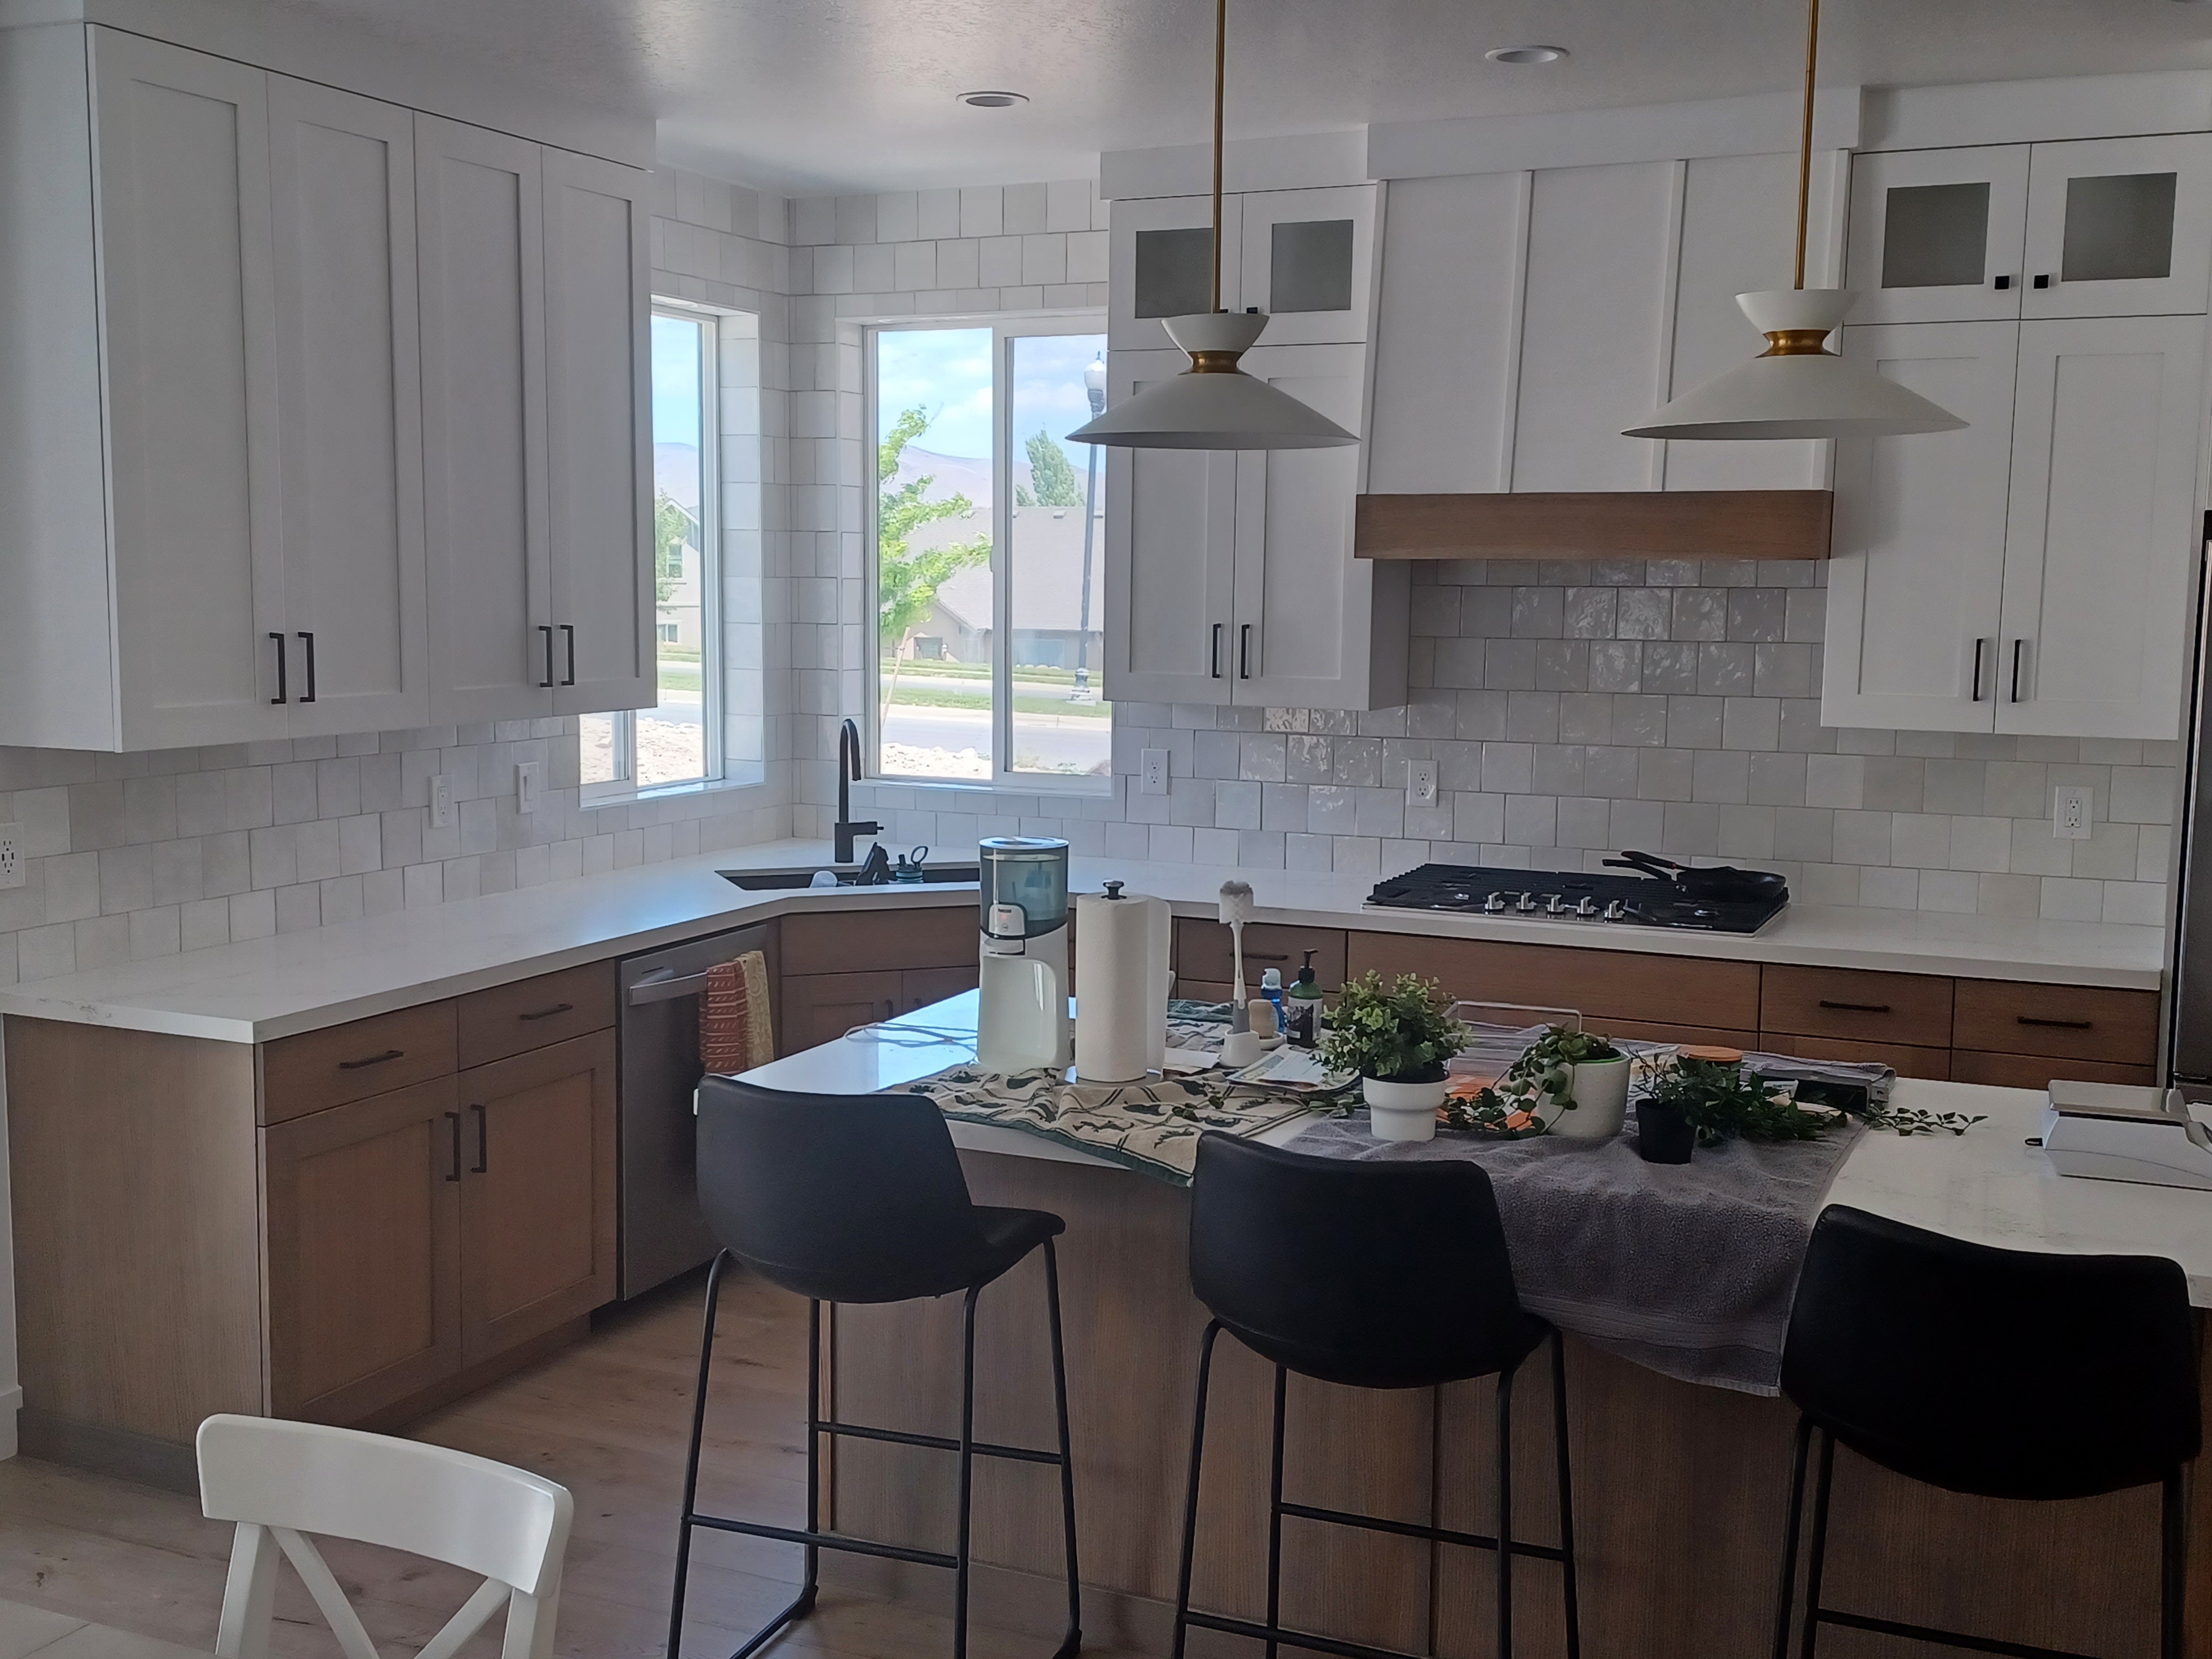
(1401, 1111)
(1601, 1094)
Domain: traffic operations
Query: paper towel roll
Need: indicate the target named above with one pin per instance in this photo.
(1120, 985)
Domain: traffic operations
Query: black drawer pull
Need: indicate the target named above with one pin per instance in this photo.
(546, 629)
(454, 1119)
(483, 1166)
(308, 639)
(1213, 656)
(570, 630)
(1266, 956)
(547, 1014)
(283, 693)
(2058, 1025)
(373, 1060)
(1856, 1008)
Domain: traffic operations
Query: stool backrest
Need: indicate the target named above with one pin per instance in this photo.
(843, 1198)
(2008, 1373)
(280, 1481)
(1378, 1275)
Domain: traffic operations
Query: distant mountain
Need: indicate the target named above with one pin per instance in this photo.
(676, 472)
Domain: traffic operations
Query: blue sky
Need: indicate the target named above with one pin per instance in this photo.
(947, 371)
(675, 380)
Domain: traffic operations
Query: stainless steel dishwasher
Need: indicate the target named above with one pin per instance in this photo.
(662, 1233)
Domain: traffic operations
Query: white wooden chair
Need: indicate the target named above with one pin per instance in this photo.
(281, 1480)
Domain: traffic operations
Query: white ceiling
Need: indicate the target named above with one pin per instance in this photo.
(804, 96)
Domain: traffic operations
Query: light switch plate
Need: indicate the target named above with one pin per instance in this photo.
(442, 802)
(11, 855)
(526, 773)
(1154, 777)
(2069, 812)
(1423, 789)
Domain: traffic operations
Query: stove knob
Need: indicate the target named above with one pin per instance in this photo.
(1526, 904)
(1555, 905)
(1587, 908)
(1616, 910)
(1494, 904)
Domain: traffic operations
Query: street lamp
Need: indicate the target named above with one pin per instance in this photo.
(1094, 383)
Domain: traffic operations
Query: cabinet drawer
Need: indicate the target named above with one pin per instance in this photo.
(305, 1073)
(1905, 1059)
(2037, 1071)
(1202, 952)
(1605, 986)
(533, 1014)
(856, 941)
(2077, 1022)
(820, 1008)
(1838, 1002)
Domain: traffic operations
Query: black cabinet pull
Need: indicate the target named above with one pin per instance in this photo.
(282, 694)
(2018, 646)
(2058, 1025)
(2004, 283)
(1213, 656)
(547, 1014)
(2043, 282)
(1265, 955)
(569, 629)
(483, 1166)
(1979, 646)
(1244, 652)
(453, 1121)
(373, 1060)
(546, 629)
(1856, 1008)
(308, 641)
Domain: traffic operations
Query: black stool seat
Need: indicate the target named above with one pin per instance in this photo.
(1370, 1276)
(861, 1199)
(2017, 1374)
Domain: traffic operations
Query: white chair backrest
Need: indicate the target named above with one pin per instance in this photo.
(279, 1480)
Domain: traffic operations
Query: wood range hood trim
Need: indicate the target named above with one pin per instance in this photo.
(1698, 524)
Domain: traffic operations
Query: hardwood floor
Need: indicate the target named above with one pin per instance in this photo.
(607, 1418)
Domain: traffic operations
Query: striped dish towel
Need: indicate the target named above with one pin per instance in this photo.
(734, 1032)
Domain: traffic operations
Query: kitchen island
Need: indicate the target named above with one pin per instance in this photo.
(1681, 1490)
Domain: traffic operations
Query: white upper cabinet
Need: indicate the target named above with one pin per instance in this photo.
(598, 398)
(182, 205)
(1160, 263)
(2101, 228)
(1308, 262)
(342, 172)
(2100, 549)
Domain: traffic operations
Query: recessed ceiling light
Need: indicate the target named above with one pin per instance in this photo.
(1525, 54)
(994, 99)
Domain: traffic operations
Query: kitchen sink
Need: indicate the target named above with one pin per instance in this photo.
(767, 881)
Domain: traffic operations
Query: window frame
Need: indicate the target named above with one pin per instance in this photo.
(714, 668)
(1005, 329)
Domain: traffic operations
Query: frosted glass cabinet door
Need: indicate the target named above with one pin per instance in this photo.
(182, 200)
(2103, 532)
(2119, 227)
(343, 182)
(1936, 234)
(1170, 519)
(1160, 254)
(1919, 546)
(478, 214)
(1309, 263)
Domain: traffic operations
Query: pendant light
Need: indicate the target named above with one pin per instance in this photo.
(1214, 404)
(1798, 388)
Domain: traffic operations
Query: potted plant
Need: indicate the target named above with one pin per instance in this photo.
(1394, 1036)
(1578, 1082)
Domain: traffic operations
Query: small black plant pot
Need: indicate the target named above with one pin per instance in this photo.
(1663, 1135)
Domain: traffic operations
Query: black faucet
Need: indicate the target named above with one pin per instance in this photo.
(848, 768)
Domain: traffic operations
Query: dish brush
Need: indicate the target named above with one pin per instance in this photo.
(1240, 1047)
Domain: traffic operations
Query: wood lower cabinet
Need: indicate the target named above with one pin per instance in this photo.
(822, 1007)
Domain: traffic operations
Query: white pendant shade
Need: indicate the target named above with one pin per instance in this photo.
(1800, 392)
(1212, 404)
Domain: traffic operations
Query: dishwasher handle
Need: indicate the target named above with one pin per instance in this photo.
(666, 985)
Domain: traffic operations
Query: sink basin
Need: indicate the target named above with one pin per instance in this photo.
(766, 881)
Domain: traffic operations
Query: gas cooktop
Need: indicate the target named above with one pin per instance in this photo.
(1571, 896)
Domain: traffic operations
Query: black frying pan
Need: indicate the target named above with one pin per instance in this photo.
(1721, 882)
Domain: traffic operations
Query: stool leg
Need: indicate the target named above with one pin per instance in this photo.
(1275, 1514)
(967, 1471)
(1802, 1446)
(1567, 1492)
(805, 1601)
(2170, 1565)
(1505, 1515)
(1190, 1498)
(1821, 1484)
(1073, 1640)
(692, 1459)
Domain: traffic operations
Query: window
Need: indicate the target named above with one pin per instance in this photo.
(679, 742)
(988, 543)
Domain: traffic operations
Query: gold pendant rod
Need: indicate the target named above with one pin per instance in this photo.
(1220, 66)
(1805, 140)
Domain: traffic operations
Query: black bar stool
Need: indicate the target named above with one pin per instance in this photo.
(2000, 1373)
(860, 1199)
(1374, 1276)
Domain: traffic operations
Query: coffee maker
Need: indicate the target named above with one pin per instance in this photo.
(1022, 1022)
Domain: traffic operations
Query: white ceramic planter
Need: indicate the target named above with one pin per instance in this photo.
(1600, 1092)
(1401, 1111)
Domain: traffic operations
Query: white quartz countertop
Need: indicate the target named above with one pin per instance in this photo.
(263, 989)
(1986, 1186)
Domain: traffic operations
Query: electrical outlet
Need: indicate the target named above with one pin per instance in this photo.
(526, 775)
(1155, 774)
(442, 802)
(11, 855)
(2069, 813)
(1424, 787)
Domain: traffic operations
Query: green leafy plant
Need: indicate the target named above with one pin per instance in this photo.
(907, 578)
(1720, 1099)
(1396, 1031)
(1051, 472)
(1545, 1070)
